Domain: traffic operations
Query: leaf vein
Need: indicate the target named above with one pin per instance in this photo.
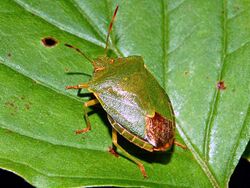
(200, 160)
(239, 48)
(229, 170)
(58, 25)
(238, 14)
(165, 41)
(3, 126)
(39, 82)
(89, 20)
(216, 96)
(177, 7)
(79, 177)
(192, 31)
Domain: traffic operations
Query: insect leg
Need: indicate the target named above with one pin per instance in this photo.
(91, 102)
(87, 104)
(140, 165)
(113, 152)
(180, 145)
(80, 86)
(88, 128)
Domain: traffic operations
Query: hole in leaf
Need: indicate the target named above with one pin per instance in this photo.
(49, 42)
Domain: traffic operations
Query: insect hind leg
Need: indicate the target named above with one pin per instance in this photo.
(115, 142)
(180, 145)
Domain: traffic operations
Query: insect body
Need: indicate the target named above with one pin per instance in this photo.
(134, 100)
(137, 106)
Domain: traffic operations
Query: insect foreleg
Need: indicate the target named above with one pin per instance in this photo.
(80, 86)
(140, 165)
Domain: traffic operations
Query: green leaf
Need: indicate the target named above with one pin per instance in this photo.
(188, 45)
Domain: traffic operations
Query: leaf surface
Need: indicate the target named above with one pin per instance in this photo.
(188, 46)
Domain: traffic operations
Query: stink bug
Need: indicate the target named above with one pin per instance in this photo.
(137, 106)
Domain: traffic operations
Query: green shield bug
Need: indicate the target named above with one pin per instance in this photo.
(137, 106)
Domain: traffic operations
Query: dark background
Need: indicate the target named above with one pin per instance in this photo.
(239, 179)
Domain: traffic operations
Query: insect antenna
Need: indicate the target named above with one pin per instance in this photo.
(110, 28)
(80, 52)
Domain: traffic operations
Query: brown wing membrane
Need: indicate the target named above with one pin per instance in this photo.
(159, 132)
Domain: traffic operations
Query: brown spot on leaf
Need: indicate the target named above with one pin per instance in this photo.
(66, 69)
(49, 42)
(236, 8)
(221, 85)
(22, 97)
(27, 106)
(9, 54)
(12, 106)
(159, 132)
(186, 73)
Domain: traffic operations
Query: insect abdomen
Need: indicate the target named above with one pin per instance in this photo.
(160, 132)
(130, 136)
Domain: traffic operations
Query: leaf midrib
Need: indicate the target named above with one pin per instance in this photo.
(203, 164)
(215, 99)
(165, 41)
